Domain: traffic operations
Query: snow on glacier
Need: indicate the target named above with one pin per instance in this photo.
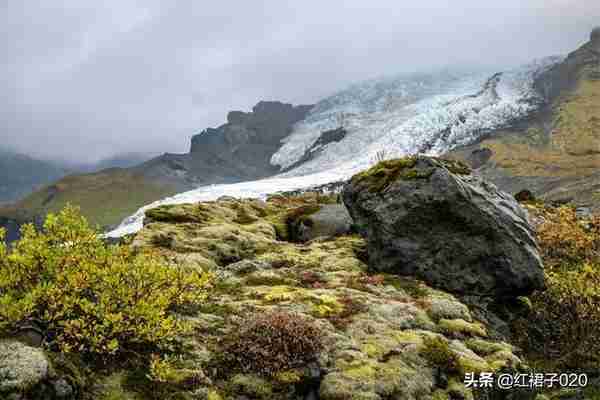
(403, 115)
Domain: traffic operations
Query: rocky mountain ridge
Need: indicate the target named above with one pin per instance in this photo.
(237, 150)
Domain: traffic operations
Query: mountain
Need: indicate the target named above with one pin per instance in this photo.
(238, 150)
(435, 114)
(121, 160)
(21, 174)
(555, 151)
(533, 127)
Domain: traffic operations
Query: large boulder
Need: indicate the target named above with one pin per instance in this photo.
(434, 219)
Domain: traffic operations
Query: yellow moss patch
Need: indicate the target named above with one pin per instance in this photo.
(462, 327)
(361, 371)
(467, 364)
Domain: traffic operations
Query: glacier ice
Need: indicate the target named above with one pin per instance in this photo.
(426, 113)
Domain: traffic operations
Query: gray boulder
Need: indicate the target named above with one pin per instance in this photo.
(433, 219)
(330, 220)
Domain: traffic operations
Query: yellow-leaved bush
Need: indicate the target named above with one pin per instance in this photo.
(563, 330)
(88, 296)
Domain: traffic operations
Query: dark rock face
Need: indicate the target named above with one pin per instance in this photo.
(564, 75)
(239, 150)
(433, 219)
(326, 137)
(479, 157)
(595, 35)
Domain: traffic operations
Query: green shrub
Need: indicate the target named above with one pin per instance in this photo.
(269, 343)
(87, 296)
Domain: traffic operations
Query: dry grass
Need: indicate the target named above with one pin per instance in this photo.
(104, 197)
(573, 148)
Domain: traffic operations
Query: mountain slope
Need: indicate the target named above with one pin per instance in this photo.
(21, 174)
(387, 118)
(104, 197)
(555, 152)
(238, 150)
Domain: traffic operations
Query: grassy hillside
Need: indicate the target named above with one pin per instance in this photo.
(105, 197)
(570, 148)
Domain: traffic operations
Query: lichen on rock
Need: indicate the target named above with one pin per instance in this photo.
(21, 367)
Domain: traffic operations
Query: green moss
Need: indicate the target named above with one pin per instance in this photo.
(175, 214)
(114, 388)
(591, 392)
(279, 294)
(213, 395)
(71, 367)
(564, 394)
(455, 166)
(440, 395)
(437, 352)
(484, 348)
(461, 327)
(264, 279)
(383, 174)
(457, 390)
(288, 377)
(325, 305)
(250, 385)
(408, 336)
(467, 365)
(411, 287)
(361, 371)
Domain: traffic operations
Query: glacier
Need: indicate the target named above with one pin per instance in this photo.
(395, 116)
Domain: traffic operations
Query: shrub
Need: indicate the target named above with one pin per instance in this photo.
(90, 297)
(269, 343)
(566, 239)
(563, 328)
(565, 323)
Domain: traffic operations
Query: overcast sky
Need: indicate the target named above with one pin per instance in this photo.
(86, 79)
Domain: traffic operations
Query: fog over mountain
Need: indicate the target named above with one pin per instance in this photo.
(83, 80)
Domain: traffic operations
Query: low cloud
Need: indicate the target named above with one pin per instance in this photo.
(83, 80)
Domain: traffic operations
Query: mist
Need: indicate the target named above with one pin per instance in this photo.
(83, 80)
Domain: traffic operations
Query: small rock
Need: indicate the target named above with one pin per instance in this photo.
(443, 308)
(524, 195)
(330, 220)
(247, 266)
(21, 367)
(30, 334)
(62, 389)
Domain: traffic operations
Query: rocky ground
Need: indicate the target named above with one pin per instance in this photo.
(359, 331)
